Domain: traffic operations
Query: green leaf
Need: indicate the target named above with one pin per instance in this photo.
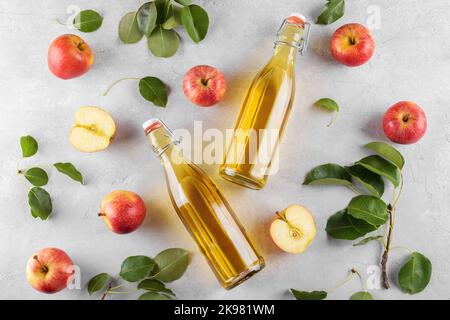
(136, 268)
(69, 169)
(29, 146)
(329, 105)
(37, 176)
(40, 203)
(388, 152)
(163, 43)
(153, 296)
(155, 286)
(184, 2)
(97, 283)
(334, 10)
(129, 31)
(171, 264)
(382, 167)
(415, 274)
(361, 295)
(154, 90)
(371, 181)
(367, 240)
(164, 7)
(174, 19)
(146, 17)
(88, 21)
(368, 208)
(308, 295)
(339, 226)
(329, 173)
(361, 226)
(196, 21)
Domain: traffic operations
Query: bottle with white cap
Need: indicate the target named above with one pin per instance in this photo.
(253, 152)
(204, 211)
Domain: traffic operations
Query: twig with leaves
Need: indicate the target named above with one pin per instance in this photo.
(367, 213)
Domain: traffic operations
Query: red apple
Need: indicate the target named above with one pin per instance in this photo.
(69, 57)
(204, 85)
(404, 122)
(352, 45)
(123, 211)
(49, 270)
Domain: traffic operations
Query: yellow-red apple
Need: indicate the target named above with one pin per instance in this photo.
(69, 57)
(405, 122)
(49, 270)
(123, 211)
(352, 45)
(204, 85)
(293, 229)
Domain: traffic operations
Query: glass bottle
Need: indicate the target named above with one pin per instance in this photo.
(204, 211)
(265, 110)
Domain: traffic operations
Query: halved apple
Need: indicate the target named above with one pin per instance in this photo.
(293, 229)
(93, 130)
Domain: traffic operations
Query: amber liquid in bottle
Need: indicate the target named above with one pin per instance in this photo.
(264, 112)
(204, 211)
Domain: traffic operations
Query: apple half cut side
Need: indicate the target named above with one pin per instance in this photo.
(294, 229)
(93, 130)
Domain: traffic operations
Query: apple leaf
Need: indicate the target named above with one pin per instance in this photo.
(29, 146)
(40, 203)
(340, 227)
(382, 167)
(88, 21)
(129, 31)
(69, 170)
(371, 181)
(196, 22)
(309, 295)
(146, 17)
(334, 10)
(184, 2)
(153, 296)
(361, 295)
(154, 90)
(329, 173)
(388, 152)
(415, 274)
(371, 209)
(329, 105)
(97, 283)
(136, 268)
(37, 176)
(171, 264)
(164, 8)
(174, 19)
(155, 286)
(367, 240)
(163, 43)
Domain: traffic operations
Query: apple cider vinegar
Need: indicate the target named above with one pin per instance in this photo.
(265, 110)
(204, 211)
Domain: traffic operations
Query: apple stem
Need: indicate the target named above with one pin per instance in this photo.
(106, 291)
(116, 82)
(101, 214)
(333, 119)
(42, 266)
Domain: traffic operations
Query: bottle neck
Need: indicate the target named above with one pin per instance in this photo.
(162, 140)
(287, 41)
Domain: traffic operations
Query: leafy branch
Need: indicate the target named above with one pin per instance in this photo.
(367, 213)
(152, 274)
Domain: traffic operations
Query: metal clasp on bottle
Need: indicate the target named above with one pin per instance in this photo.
(302, 45)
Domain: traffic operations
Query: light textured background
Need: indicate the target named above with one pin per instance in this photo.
(411, 62)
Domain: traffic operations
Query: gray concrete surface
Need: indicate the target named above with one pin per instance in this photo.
(411, 62)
